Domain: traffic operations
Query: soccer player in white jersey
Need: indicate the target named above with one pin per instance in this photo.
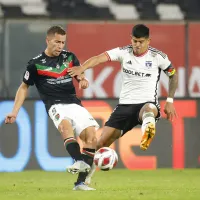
(141, 66)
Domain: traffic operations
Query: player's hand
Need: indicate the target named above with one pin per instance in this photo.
(170, 111)
(75, 71)
(10, 118)
(83, 84)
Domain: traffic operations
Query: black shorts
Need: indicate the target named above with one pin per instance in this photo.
(126, 116)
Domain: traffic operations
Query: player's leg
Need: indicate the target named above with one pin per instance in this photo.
(108, 136)
(73, 148)
(85, 127)
(64, 124)
(147, 116)
(115, 127)
(88, 137)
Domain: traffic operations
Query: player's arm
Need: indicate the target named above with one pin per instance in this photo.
(81, 79)
(19, 100)
(173, 84)
(170, 71)
(28, 79)
(92, 62)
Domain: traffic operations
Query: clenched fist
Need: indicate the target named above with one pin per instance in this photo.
(10, 118)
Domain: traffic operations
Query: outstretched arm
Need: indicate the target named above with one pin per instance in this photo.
(19, 100)
(92, 62)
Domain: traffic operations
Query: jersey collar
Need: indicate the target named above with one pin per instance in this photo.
(140, 55)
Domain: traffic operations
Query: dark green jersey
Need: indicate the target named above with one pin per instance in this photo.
(50, 76)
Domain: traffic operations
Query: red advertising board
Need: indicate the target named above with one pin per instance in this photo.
(194, 60)
(90, 39)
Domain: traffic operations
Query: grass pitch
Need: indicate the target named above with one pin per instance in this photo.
(164, 184)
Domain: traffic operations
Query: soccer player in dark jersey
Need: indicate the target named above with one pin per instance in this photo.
(49, 73)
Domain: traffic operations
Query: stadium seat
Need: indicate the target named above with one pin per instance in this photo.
(192, 9)
(147, 10)
(169, 12)
(103, 9)
(12, 11)
(126, 1)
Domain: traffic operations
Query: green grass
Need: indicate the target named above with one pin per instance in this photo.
(162, 184)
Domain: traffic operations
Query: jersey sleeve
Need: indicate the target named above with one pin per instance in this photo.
(75, 61)
(165, 65)
(29, 74)
(114, 54)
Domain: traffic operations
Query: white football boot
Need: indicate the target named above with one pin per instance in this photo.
(78, 166)
(82, 186)
(90, 174)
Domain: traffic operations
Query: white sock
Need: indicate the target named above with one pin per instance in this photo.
(147, 118)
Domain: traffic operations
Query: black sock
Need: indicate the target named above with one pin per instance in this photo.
(88, 157)
(73, 148)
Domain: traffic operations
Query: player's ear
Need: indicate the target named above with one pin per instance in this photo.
(47, 40)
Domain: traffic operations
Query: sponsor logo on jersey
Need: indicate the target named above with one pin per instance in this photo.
(135, 73)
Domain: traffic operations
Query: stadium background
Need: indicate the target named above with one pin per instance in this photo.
(93, 27)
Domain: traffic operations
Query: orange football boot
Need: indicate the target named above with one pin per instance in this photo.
(148, 136)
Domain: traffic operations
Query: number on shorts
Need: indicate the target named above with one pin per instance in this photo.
(54, 111)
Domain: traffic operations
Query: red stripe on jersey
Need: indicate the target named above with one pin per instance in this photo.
(52, 74)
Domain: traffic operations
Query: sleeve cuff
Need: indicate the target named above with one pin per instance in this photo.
(107, 56)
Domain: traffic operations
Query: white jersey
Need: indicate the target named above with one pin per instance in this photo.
(140, 74)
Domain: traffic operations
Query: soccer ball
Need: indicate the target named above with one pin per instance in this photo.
(105, 158)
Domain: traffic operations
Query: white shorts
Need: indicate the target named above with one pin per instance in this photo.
(77, 115)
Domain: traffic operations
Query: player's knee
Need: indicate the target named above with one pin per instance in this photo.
(91, 141)
(150, 108)
(65, 129)
(90, 137)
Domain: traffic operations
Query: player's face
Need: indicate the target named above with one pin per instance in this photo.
(55, 44)
(140, 45)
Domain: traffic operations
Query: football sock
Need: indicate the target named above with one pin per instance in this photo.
(147, 118)
(73, 148)
(88, 157)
